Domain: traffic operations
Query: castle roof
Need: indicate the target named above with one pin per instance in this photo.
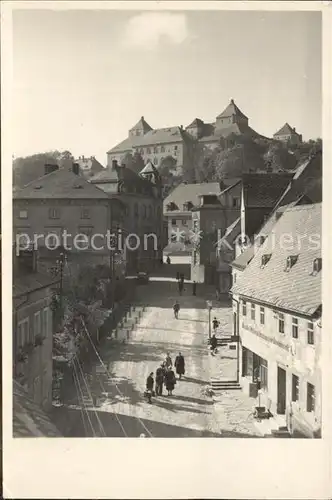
(235, 128)
(141, 125)
(151, 138)
(286, 130)
(62, 183)
(232, 110)
(196, 123)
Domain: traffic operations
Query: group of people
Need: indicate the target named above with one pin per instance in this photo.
(165, 376)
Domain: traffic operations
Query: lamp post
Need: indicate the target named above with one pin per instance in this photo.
(58, 270)
(209, 306)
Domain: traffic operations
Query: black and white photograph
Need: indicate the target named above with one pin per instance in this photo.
(166, 218)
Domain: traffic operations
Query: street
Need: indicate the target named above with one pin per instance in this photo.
(118, 407)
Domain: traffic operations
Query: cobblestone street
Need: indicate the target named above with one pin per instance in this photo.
(190, 412)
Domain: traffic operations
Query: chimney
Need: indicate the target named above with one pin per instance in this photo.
(76, 169)
(83, 157)
(232, 101)
(114, 164)
(49, 168)
(142, 118)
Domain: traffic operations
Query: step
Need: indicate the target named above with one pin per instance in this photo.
(223, 385)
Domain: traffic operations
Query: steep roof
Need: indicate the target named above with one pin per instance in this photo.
(90, 164)
(149, 169)
(29, 420)
(197, 122)
(62, 183)
(297, 290)
(141, 125)
(231, 110)
(286, 130)
(235, 128)
(151, 138)
(264, 190)
(191, 192)
(23, 284)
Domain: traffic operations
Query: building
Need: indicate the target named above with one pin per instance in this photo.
(32, 329)
(178, 211)
(277, 307)
(63, 201)
(288, 134)
(29, 419)
(89, 166)
(141, 195)
(177, 142)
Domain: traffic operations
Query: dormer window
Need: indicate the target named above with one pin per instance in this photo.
(260, 240)
(265, 259)
(290, 262)
(187, 206)
(171, 206)
(317, 266)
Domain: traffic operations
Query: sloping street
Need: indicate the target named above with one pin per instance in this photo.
(119, 382)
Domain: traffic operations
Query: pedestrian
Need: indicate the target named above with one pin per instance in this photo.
(180, 287)
(213, 344)
(215, 324)
(149, 387)
(170, 381)
(194, 287)
(168, 361)
(176, 309)
(168, 260)
(177, 276)
(217, 294)
(160, 380)
(179, 365)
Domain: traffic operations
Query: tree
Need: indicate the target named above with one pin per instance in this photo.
(134, 162)
(26, 169)
(278, 158)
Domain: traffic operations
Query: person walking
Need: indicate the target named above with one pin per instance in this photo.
(177, 276)
(160, 380)
(176, 309)
(179, 365)
(194, 287)
(170, 381)
(168, 260)
(168, 361)
(149, 387)
(215, 324)
(213, 344)
(180, 285)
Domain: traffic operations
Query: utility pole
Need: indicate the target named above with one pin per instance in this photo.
(236, 333)
(60, 263)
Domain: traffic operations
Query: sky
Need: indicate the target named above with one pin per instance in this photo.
(82, 79)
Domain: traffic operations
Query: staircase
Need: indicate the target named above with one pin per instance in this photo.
(128, 323)
(225, 385)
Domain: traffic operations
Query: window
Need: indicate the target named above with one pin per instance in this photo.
(317, 266)
(23, 214)
(185, 222)
(23, 332)
(85, 213)
(262, 315)
(310, 333)
(295, 328)
(175, 148)
(195, 258)
(281, 323)
(36, 326)
(263, 373)
(310, 397)
(244, 308)
(173, 222)
(295, 388)
(265, 259)
(162, 149)
(136, 210)
(235, 202)
(290, 262)
(54, 213)
(252, 311)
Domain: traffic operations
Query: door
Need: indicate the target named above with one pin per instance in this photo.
(281, 404)
(235, 323)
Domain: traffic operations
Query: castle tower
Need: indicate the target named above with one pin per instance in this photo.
(141, 128)
(232, 114)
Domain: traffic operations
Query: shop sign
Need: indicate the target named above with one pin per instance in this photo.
(266, 338)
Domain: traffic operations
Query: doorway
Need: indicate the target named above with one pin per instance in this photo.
(281, 403)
